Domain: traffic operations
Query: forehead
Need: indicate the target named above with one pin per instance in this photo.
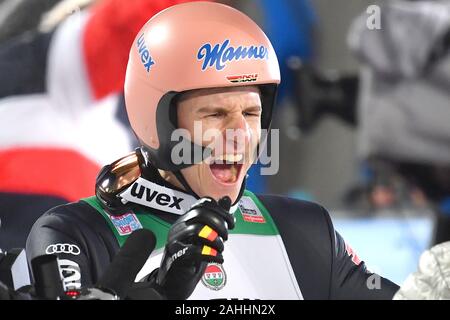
(219, 96)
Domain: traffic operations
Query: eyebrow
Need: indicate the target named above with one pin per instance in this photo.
(207, 109)
(254, 108)
(219, 109)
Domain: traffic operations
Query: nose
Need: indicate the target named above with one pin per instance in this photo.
(238, 132)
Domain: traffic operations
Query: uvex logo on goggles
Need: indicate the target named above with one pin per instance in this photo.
(153, 195)
(219, 55)
(162, 199)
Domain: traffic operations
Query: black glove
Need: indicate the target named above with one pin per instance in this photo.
(194, 240)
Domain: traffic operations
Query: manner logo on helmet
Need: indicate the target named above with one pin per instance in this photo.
(146, 59)
(63, 248)
(214, 277)
(126, 224)
(243, 78)
(250, 212)
(219, 55)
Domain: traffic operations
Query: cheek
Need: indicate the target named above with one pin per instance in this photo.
(184, 119)
(191, 174)
(255, 129)
(195, 176)
(205, 132)
(211, 132)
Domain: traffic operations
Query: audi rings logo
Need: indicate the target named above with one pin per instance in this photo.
(63, 248)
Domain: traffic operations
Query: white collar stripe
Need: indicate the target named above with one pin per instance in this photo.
(153, 195)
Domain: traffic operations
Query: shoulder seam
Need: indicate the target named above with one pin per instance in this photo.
(329, 223)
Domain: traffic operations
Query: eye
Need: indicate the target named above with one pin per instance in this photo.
(215, 115)
(250, 114)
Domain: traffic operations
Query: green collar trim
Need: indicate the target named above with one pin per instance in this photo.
(252, 218)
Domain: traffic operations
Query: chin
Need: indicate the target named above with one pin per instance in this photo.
(208, 185)
(221, 191)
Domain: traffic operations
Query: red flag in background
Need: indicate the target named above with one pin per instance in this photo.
(61, 110)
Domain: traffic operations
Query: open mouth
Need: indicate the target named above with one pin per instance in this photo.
(227, 168)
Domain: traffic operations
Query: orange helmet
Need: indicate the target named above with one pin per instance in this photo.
(193, 46)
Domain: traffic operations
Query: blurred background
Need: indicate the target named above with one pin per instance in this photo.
(363, 112)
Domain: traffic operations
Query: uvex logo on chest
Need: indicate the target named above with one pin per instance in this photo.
(149, 195)
(146, 59)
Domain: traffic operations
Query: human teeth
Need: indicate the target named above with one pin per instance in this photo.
(230, 157)
(233, 172)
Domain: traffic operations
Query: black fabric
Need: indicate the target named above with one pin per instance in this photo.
(317, 253)
(23, 64)
(81, 225)
(18, 213)
(76, 224)
(183, 263)
(441, 232)
(322, 266)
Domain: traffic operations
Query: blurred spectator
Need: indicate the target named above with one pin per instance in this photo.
(60, 109)
(405, 97)
(19, 16)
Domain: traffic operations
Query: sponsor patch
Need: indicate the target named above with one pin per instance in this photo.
(214, 277)
(243, 78)
(126, 223)
(250, 212)
(66, 248)
(219, 55)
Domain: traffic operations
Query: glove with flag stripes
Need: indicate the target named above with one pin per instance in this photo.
(195, 239)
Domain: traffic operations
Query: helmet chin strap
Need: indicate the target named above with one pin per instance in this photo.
(184, 183)
(186, 186)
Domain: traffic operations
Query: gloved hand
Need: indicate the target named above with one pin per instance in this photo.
(195, 239)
